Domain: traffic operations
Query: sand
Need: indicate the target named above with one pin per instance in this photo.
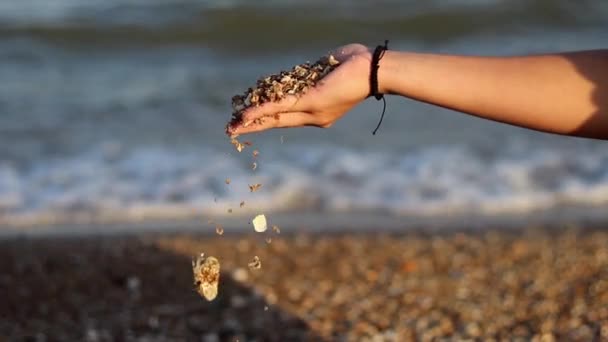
(538, 284)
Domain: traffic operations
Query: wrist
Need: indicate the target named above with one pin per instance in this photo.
(386, 71)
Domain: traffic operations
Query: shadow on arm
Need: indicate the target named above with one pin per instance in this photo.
(593, 66)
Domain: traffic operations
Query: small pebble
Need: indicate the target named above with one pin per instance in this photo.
(240, 274)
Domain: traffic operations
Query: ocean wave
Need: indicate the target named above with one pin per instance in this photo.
(281, 25)
(111, 184)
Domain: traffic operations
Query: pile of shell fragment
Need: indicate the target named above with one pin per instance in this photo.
(274, 88)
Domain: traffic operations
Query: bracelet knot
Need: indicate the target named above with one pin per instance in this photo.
(373, 79)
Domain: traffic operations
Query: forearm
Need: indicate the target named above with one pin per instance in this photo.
(561, 93)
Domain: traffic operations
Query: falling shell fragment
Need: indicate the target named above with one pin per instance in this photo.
(219, 229)
(242, 204)
(259, 223)
(276, 229)
(206, 272)
(254, 166)
(239, 146)
(254, 187)
(255, 264)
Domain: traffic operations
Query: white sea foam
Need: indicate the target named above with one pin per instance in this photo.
(158, 183)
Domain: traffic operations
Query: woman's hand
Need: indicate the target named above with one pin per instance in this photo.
(321, 106)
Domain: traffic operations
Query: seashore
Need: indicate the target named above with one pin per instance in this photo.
(528, 284)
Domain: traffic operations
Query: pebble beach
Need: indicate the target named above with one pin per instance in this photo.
(534, 284)
(116, 172)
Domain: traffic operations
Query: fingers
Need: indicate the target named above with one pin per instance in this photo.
(269, 109)
(283, 120)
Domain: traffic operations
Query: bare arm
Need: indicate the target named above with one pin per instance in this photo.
(558, 93)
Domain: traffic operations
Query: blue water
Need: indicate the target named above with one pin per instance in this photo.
(114, 110)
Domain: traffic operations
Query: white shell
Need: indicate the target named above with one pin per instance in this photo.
(259, 223)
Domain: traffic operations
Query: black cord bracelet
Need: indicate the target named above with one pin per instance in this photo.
(373, 79)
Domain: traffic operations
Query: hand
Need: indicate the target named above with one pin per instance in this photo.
(337, 93)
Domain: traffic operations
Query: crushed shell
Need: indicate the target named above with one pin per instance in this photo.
(254, 187)
(206, 276)
(255, 264)
(274, 88)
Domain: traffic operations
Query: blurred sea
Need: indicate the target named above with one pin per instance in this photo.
(115, 110)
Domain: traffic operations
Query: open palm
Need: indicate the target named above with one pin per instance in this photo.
(321, 106)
